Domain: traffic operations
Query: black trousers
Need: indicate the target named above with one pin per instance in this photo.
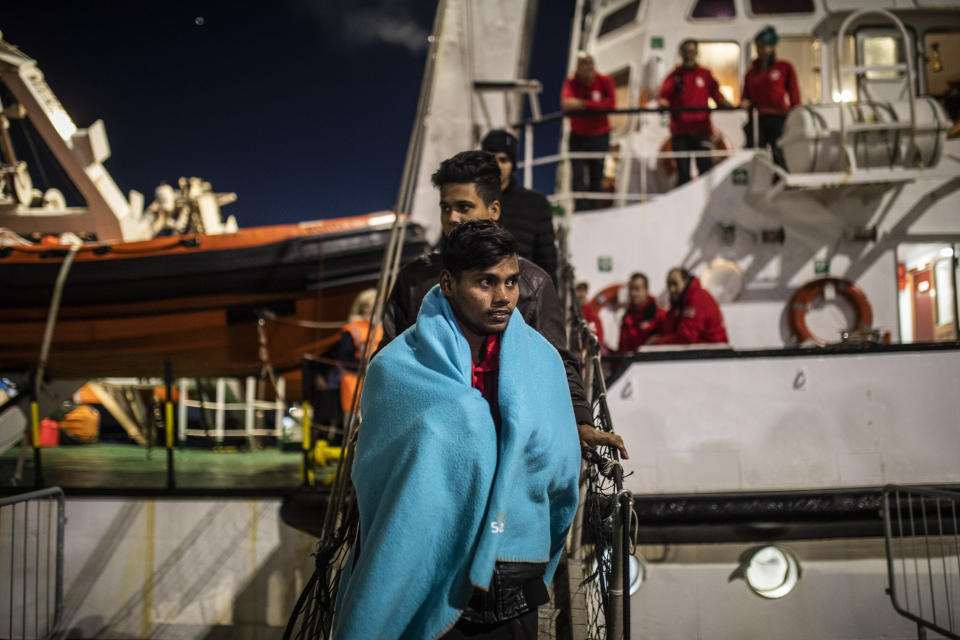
(691, 142)
(588, 173)
(769, 130)
(523, 628)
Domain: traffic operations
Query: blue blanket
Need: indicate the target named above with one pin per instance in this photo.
(441, 501)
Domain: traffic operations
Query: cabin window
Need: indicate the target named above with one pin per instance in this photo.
(619, 122)
(881, 51)
(723, 61)
(776, 7)
(942, 57)
(713, 9)
(619, 18)
(803, 52)
(845, 90)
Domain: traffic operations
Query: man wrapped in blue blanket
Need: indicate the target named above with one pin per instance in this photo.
(467, 460)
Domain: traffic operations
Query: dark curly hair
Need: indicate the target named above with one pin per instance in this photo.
(478, 167)
(477, 244)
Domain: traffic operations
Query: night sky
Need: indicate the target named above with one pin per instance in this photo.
(304, 109)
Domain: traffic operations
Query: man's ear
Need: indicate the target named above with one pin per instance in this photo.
(494, 210)
(446, 283)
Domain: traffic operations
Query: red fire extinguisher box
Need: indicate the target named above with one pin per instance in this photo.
(49, 433)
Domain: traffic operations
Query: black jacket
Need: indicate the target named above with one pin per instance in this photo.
(528, 216)
(538, 305)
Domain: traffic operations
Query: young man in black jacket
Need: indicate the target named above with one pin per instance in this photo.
(469, 185)
(524, 213)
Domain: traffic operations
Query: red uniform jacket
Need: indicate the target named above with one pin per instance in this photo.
(697, 319)
(690, 88)
(593, 319)
(639, 324)
(773, 90)
(601, 94)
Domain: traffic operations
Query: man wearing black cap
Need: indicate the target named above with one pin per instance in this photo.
(771, 87)
(524, 213)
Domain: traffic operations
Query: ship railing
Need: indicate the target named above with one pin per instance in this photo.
(624, 156)
(923, 557)
(250, 406)
(605, 507)
(31, 563)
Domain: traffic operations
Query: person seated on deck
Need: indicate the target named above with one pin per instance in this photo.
(694, 316)
(590, 315)
(469, 185)
(524, 212)
(690, 85)
(467, 465)
(643, 318)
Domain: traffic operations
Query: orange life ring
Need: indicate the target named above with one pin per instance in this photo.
(608, 297)
(718, 141)
(802, 297)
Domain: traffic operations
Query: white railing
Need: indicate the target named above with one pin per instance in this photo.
(220, 407)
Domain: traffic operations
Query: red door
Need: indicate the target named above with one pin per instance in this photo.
(923, 306)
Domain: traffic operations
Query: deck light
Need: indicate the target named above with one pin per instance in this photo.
(772, 572)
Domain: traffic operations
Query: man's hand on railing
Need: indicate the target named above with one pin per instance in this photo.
(593, 437)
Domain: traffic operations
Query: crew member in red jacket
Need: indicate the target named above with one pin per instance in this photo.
(690, 85)
(771, 87)
(694, 315)
(643, 318)
(590, 314)
(588, 89)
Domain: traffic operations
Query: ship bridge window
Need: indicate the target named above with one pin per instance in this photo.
(619, 18)
(774, 7)
(712, 9)
(723, 60)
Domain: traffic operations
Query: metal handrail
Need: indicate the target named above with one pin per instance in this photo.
(22, 552)
(922, 540)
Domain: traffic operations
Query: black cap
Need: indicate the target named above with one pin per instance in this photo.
(501, 141)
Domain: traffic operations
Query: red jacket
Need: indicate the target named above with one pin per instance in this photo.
(697, 319)
(690, 88)
(601, 94)
(639, 324)
(593, 319)
(773, 90)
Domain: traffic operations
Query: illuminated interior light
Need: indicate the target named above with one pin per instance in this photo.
(772, 572)
(946, 252)
(923, 286)
(843, 96)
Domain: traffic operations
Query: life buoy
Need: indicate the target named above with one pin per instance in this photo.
(608, 297)
(718, 142)
(805, 295)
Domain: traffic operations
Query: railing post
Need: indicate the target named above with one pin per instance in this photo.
(35, 432)
(249, 395)
(168, 420)
(219, 415)
(528, 155)
(182, 411)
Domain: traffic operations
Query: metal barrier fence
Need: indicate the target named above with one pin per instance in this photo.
(31, 564)
(923, 557)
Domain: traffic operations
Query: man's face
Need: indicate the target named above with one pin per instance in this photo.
(459, 202)
(689, 54)
(638, 292)
(585, 69)
(765, 51)
(483, 299)
(675, 286)
(581, 295)
(506, 168)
